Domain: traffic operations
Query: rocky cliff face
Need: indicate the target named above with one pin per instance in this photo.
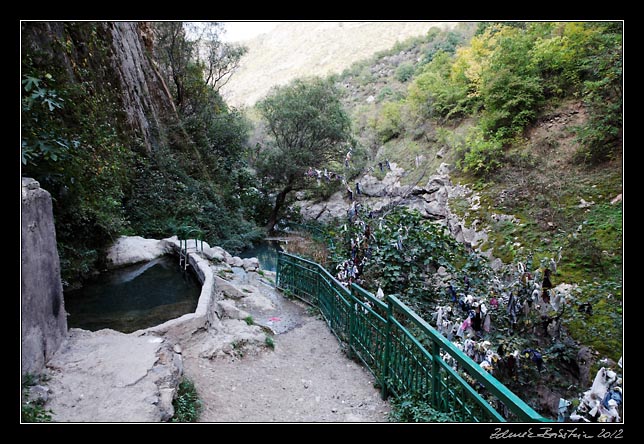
(110, 60)
(117, 53)
(431, 199)
(146, 98)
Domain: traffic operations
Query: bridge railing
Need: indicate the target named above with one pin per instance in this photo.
(400, 349)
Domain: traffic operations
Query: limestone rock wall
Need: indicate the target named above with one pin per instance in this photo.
(43, 316)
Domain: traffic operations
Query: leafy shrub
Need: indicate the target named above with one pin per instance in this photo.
(79, 144)
(32, 411)
(437, 92)
(417, 408)
(426, 246)
(187, 405)
(71, 143)
(387, 93)
(388, 123)
(480, 156)
(404, 72)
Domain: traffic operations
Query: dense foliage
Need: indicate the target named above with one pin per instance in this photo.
(406, 268)
(507, 74)
(412, 407)
(72, 143)
(504, 77)
(405, 259)
(77, 142)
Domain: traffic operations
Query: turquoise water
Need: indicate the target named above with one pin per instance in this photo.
(134, 297)
(266, 254)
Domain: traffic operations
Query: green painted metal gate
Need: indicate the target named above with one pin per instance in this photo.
(400, 349)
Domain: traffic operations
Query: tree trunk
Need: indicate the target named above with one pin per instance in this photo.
(279, 202)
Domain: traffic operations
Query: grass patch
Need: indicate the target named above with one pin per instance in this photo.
(269, 342)
(225, 274)
(249, 320)
(187, 404)
(603, 329)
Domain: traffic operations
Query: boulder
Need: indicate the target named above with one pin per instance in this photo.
(133, 249)
(235, 261)
(257, 301)
(251, 264)
(43, 316)
(214, 254)
(435, 210)
(231, 311)
(336, 206)
(548, 400)
(227, 290)
(443, 169)
(496, 264)
(371, 186)
(233, 336)
(107, 376)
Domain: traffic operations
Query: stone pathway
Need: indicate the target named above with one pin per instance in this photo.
(307, 378)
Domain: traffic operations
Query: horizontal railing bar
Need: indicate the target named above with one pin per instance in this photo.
(368, 295)
(415, 341)
(473, 393)
(412, 362)
(370, 310)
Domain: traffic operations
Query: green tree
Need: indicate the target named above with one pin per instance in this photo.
(309, 128)
(601, 72)
(404, 72)
(388, 123)
(511, 87)
(439, 90)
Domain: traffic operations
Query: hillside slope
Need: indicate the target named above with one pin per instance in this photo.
(296, 49)
(540, 201)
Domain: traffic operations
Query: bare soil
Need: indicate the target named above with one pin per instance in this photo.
(305, 378)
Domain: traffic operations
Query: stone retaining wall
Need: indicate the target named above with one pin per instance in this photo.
(204, 316)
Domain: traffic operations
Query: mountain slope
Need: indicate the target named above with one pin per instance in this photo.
(296, 49)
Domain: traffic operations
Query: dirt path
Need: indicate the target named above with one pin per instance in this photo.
(306, 378)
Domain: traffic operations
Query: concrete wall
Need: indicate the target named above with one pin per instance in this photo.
(43, 316)
(204, 316)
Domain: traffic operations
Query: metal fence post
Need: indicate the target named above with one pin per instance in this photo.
(352, 321)
(385, 359)
(278, 269)
(436, 386)
(318, 276)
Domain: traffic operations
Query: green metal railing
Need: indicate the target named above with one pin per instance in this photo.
(400, 349)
